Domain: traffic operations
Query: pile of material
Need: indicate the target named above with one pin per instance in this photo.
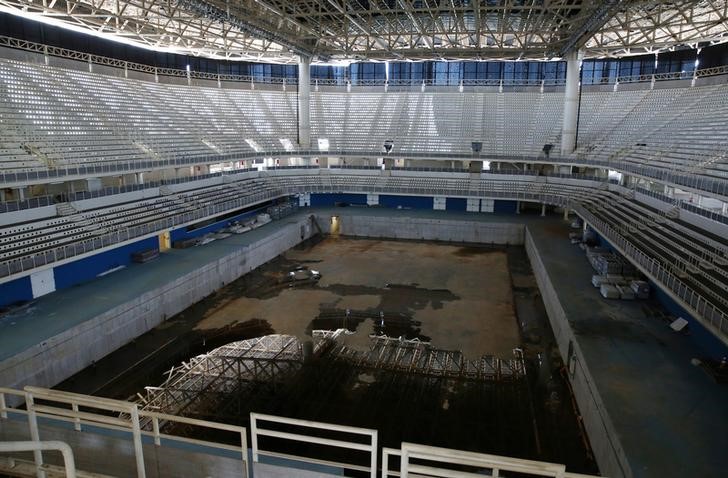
(606, 263)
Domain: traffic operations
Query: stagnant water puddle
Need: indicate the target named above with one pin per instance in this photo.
(481, 300)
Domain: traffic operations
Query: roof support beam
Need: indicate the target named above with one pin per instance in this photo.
(594, 23)
(212, 12)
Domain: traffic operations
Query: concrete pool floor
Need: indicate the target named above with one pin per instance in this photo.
(430, 284)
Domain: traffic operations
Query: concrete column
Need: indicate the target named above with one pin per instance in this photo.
(571, 103)
(2, 195)
(543, 209)
(21, 194)
(304, 103)
(566, 214)
(139, 178)
(518, 207)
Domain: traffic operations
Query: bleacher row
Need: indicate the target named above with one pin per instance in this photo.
(438, 122)
(53, 118)
(696, 257)
(677, 129)
(32, 244)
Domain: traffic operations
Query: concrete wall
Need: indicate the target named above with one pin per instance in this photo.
(425, 229)
(608, 451)
(61, 356)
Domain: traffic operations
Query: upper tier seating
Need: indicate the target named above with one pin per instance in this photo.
(512, 123)
(52, 117)
(678, 129)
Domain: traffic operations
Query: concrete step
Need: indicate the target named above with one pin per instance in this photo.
(65, 209)
(165, 191)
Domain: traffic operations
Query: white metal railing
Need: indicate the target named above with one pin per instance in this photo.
(256, 431)
(69, 465)
(436, 462)
(87, 58)
(410, 455)
(66, 407)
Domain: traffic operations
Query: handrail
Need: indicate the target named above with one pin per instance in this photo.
(677, 177)
(129, 421)
(250, 79)
(68, 462)
(441, 457)
(256, 431)
(407, 452)
(706, 312)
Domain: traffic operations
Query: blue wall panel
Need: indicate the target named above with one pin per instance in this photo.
(88, 268)
(15, 291)
(456, 204)
(406, 202)
(505, 207)
(702, 338)
(328, 200)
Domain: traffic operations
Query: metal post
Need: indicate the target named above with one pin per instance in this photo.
(404, 463)
(244, 446)
(137, 436)
(3, 406)
(374, 455)
(34, 434)
(254, 437)
(76, 419)
(155, 428)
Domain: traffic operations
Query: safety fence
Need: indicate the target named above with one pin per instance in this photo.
(82, 415)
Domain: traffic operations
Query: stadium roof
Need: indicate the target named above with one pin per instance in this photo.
(326, 30)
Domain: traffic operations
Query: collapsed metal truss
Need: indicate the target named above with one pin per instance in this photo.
(281, 30)
(202, 386)
(199, 386)
(417, 357)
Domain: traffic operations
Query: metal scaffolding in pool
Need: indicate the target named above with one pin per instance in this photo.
(203, 385)
(199, 386)
(417, 357)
